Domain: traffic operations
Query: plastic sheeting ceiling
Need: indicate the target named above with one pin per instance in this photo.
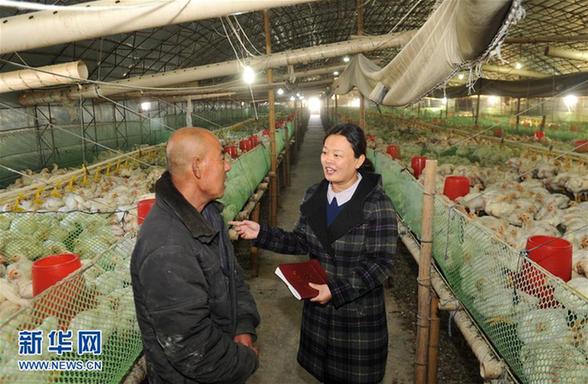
(460, 33)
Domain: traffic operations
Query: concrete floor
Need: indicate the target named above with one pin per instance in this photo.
(281, 313)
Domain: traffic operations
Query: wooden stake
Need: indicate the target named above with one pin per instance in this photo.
(359, 6)
(477, 109)
(424, 277)
(272, 127)
(433, 341)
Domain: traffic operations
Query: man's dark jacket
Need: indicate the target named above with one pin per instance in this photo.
(190, 296)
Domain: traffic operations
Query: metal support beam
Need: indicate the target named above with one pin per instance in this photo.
(89, 131)
(45, 136)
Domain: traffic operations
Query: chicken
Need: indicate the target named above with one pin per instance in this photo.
(580, 261)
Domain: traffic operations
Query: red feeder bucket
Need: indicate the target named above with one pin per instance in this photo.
(393, 151)
(581, 146)
(144, 206)
(51, 269)
(552, 253)
(371, 138)
(266, 132)
(254, 140)
(538, 135)
(498, 132)
(245, 145)
(418, 164)
(232, 151)
(456, 186)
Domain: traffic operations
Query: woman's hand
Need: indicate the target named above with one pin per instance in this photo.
(247, 229)
(324, 295)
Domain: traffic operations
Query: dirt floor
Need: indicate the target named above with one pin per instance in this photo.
(281, 312)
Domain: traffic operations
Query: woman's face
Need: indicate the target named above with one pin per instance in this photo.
(339, 162)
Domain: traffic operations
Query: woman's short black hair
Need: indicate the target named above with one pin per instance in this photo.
(356, 137)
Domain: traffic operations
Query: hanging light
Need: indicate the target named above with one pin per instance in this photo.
(570, 101)
(280, 91)
(346, 59)
(248, 75)
(145, 106)
(336, 73)
(460, 76)
(292, 98)
(493, 100)
(518, 65)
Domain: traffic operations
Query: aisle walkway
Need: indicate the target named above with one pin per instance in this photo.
(281, 313)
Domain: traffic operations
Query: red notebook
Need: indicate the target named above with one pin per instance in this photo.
(298, 275)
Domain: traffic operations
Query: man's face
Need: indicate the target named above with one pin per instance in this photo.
(214, 171)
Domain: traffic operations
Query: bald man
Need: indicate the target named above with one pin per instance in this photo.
(196, 314)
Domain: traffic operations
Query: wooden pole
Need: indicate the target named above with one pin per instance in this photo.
(359, 5)
(424, 276)
(255, 250)
(433, 341)
(272, 127)
(336, 118)
(518, 112)
(477, 109)
(189, 110)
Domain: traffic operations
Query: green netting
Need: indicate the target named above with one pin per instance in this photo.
(97, 296)
(247, 171)
(63, 145)
(537, 323)
(405, 192)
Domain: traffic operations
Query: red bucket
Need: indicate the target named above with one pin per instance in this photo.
(393, 151)
(498, 132)
(538, 135)
(144, 206)
(581, 146)
(266, 132)
(254, 140)
(371, 138)
(418, 164)
(232, 151)
(553, 254)
(456, 186)
(51, 269)
(245, 145)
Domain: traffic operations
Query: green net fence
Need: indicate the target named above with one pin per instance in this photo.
(98, 296)
(536, 322)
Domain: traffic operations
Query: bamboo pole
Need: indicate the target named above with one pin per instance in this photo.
(424, 277)
(433, 341)
(272, 127)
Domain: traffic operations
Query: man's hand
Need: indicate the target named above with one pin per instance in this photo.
(246, 340)
(247, 229)
(324, 295)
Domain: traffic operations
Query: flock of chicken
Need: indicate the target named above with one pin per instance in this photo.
(514, 194)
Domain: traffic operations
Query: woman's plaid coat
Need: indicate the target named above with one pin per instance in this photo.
(346, 340)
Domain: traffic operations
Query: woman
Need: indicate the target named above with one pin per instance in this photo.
(348, 223)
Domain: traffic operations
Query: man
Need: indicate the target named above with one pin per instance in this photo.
(197, 316)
